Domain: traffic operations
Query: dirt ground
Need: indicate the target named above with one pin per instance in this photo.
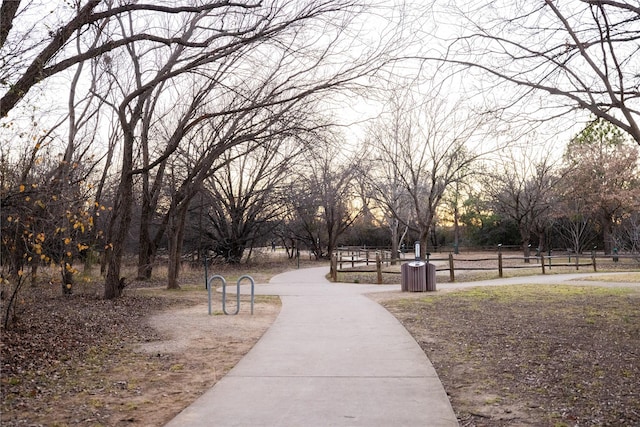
(138, 361)
(510, 356)
(530, 355)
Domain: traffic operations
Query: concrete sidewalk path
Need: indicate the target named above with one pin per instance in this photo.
(333, 357)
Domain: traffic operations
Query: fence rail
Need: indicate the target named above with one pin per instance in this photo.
(359, 259)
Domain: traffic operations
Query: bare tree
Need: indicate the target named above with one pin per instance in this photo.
(323, 196)
(285, 81)
(602, 172)
(384, 173)
(628, 235)
(583, 53)
(246, 195)
(574, 221)
(32, 59)
(431, 146)
(521, 188)
(248, 64)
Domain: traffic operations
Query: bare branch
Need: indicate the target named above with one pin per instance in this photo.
(583, 53)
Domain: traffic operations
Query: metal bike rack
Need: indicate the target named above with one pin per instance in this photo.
(224, 298)
(224, 286)
(253, 284)
(224, 292)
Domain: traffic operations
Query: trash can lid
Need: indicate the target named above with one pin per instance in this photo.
(416, 263)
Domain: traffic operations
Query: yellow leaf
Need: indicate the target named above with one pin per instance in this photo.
(20, 273)
(69, 254)
(9, 218)
(22, 188)
(67, 241)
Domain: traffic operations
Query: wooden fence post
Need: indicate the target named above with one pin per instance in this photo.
(499, 264)
(542, 262)
(577, 262)
(379, 268)
(334, 267)
(452, 274)
(593, 260)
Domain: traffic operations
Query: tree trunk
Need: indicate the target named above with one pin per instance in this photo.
(115, 247)
(456, 230)
(394, 240)
(607, 234)
(67, 280)
(176, 234)
(146, 246)
(424, 241)
(525, 236)
(542, 241)
(119, 224)
(526, 250)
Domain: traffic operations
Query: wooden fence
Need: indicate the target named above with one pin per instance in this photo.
(353, 260)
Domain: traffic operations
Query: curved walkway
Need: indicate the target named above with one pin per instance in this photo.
(333, 357)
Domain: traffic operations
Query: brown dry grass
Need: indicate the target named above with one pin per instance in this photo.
(532, 355)
(139, 360)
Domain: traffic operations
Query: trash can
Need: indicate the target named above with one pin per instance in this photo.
(418, 276)
(431, 277)
(414, 276)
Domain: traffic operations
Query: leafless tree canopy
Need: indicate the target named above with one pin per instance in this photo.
(584, 53)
